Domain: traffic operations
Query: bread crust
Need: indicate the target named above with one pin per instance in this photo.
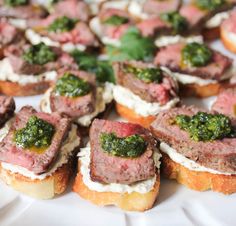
(15, 89)
(133, 117)
(47, 188)
(195, 90)
(130, 202)
(200, 181)
(230, 45)
(211, 34)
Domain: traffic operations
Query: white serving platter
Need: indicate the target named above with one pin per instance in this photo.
(176, 204)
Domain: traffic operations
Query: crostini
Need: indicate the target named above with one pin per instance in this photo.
(119, 166)
(36, 153)
(76, 95)
(142, 91)
(200, 70)
(198, 148)
(28, 70)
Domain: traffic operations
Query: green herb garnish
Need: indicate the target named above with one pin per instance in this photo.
(90, 63)
(178, 22)
(196, 54)
(70, 85)
(62, 24)
(116, 20)
(147, 75)
(39, 54)
(133, 47)
(37, 133)
(206, 127)
(210, 4)
(131, 146)
(14, 3)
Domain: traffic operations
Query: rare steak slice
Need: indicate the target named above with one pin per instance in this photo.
(170, 56)
(22, 12)
(14, 53)
(106, 168)
(218, 154)
(226, 102)
(76, 106)
(151, 92)
(73, 9)
(7, 108)
(34, 161)
(158, 7)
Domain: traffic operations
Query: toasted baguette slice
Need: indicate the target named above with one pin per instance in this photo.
(40, 189)
(133, 117)
(129, 202)
(228, 43)
(15, 89)
(211, 34)
(200, 181)
(195, 90)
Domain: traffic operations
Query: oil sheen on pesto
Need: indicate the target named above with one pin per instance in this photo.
(147, 75)
(62, 24)
(177, 22)
(206, 127)
(196, 54)
(70, 85)
(131, 146)
(37, 133)
(39, 54)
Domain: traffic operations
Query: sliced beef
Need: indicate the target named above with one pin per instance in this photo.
(154, 26)
(14, 53)
(229, 25)
(226, 102)
(72, 8)
(79, 106)
(114, 31)
(170, 56)
(150, 92)
(218, 155)
(8, 33)
(106, 168)
(22, 12)
(7, 108)
(33, 161)
(158, 7)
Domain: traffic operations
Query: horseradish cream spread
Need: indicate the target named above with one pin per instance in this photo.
(168, 40)
(127, 98)
(217, 19)
(182, 160)
(136, 9)
(35, 38)
(7, 74)
(4, 130)
(140, 187)
(104, 96)
(18, 23)
(190, 79)
(67, 149)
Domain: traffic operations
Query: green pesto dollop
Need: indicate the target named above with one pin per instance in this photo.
(62, 24)
(39, 54)
(36, 134)
(116, 20)
(14, 3)
(178, 22)
(210, 4)
(148, 75)
(196, 54)
(205, 126)
(70, 85)
(131, 146)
